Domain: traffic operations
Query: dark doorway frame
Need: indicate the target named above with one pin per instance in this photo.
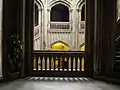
(29, 36)
(11, 24)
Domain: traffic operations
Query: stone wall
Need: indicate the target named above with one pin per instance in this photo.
(73, 37)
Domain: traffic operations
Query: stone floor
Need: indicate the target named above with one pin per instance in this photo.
(58, 84)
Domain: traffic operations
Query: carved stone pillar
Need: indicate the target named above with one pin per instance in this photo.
(41, 33)
(78, 28)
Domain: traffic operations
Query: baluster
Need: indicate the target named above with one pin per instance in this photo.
(52, 63)
(73, 63)
(43, 63)
(69, 63)
(59, 26)
(34, 63)
(48, 61)
(68, 26)
(82, 68)
(78, 69)
(65, 64)
(39, 64)
(56, 63)
(55, 26)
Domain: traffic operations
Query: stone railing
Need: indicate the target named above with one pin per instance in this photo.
(58, 61)
(59, 26)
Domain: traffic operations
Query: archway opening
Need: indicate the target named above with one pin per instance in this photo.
(37, 13)
(83, 13)
(59, 13)
(36, 16)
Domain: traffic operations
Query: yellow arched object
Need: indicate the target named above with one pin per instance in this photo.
(59, 46)
(82, 48)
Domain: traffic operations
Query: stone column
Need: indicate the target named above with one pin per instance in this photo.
(72, 28)
(45, 28)
(41, 25)
(48, 27)
(78, 28)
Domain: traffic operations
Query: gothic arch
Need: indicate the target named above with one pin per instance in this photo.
(80, 4)
(59, 41)
(63, 2)
(39, 3)
(59, 13)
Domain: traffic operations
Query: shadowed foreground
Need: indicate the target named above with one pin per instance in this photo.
(58, 84)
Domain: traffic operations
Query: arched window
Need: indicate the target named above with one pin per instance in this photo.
(59, 13)
(83, 13)
(36, 17)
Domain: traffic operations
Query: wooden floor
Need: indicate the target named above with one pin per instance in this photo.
(58, 84)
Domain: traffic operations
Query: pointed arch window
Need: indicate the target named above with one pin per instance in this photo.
(59, 13)
(83, 13)
(36, 16)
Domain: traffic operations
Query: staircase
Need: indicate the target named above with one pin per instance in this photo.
(117, 62)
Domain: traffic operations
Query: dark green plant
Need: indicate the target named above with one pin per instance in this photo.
(14, 56)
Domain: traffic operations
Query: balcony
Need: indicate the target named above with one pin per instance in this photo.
(59, 27)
